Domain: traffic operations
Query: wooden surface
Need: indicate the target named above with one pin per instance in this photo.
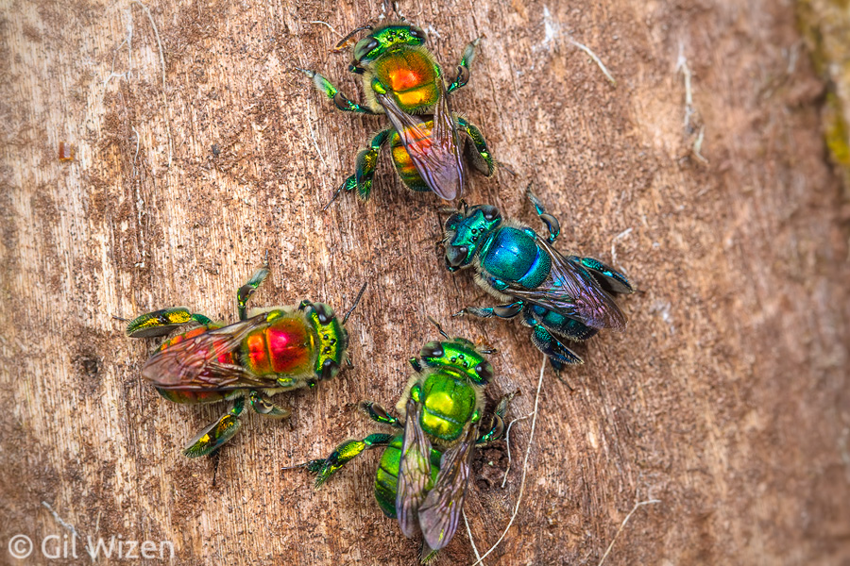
(726, 399)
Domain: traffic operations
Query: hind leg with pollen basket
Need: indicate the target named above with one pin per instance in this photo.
(215, 435)
(548, 343)
(162, 322)
(343, 454)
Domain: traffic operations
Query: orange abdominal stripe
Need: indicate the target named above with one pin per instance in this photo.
(418, 140)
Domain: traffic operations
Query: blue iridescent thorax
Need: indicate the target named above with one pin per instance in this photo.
(513, 255)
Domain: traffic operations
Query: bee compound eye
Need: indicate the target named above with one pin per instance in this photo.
(329, 368)
(490, 212)
(484, 371)
(432, 350)
(323, 312)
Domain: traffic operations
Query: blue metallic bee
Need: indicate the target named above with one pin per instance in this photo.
(559, 297)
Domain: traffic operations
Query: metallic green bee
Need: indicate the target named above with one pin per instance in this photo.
(402, 79)
(559, 297)
(423, 474)
(267, 352)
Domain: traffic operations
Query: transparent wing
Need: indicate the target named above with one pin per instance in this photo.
(437, 155)
(195, 363)
(414, 476)
(440, 513)
(571, 290)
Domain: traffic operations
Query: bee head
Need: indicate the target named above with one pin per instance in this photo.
(459, 354)
(465, 231)
(332, 342)
(381, 39)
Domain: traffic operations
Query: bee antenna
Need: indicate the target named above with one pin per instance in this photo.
(439, 328)
(356, 302)
(506, 167)
(346, 41)
(121, 319)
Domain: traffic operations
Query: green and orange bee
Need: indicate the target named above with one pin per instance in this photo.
(403, 80)
(268, 351)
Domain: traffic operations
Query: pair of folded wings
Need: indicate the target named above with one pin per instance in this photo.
(436, 156)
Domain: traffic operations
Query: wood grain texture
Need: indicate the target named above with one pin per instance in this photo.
(726, 398)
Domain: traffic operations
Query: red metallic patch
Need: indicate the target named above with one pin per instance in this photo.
(180, 337)
(258, 356)
(178, 396)
(288, 345)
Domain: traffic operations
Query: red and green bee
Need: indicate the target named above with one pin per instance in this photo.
(270, 351)
(403, 80)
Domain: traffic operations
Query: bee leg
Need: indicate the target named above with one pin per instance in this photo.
(462, 76)
(265, 407)
(501, 311)
(558, 324)
(478, 154)
(341, 101)
(497, 422)
(367, 163)
(611, 280)
(547, 343)
(427, 554)
(245, 291)
(550, 221)
(212, 437)
(380, 415)
(416, 364)
(343, 454)
(161, 322)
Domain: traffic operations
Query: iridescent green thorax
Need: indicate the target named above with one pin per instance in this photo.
(449, 402)
(384, 38)
(466, 234)
(386, 480)
(332, 340)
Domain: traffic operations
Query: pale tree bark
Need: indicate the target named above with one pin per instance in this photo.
(726, 399)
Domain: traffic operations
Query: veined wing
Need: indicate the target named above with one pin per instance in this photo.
(571, 290)
(414, 475)
(196, 363)
(440, 513)
(436, 156)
